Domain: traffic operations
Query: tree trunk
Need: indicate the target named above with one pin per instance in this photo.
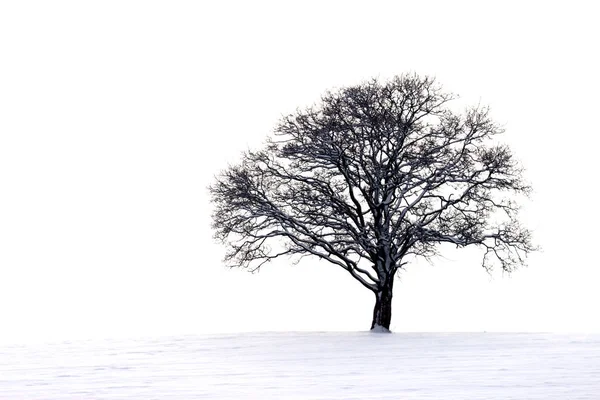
(382, 313)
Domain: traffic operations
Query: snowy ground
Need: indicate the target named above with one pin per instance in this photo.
(308, 366)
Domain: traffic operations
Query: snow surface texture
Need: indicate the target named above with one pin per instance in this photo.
(308, 366)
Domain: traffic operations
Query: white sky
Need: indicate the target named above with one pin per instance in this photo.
(116, 115)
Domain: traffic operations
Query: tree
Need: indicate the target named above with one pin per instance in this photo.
(373, 176)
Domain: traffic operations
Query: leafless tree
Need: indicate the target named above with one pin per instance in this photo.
(370, 178)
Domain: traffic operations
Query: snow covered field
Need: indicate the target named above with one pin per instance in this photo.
(308, 366)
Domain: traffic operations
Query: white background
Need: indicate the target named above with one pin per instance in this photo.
(116, 115)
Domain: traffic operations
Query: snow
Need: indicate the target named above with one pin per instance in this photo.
(308, 366)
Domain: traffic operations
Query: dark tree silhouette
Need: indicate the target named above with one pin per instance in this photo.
(370, 178)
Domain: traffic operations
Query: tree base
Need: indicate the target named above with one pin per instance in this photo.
(380, 329)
